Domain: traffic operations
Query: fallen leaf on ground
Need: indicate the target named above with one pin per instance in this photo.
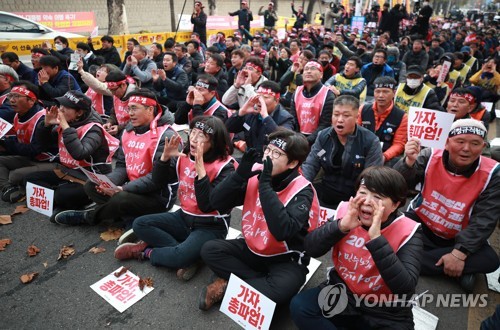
(96, 250)
(111, 234)
(45, 264)
(4, 242)
(148, 281)
(65, 252)
(5, 219)
(20, 209)
(27, 278)
(121, 272)
(33, 250)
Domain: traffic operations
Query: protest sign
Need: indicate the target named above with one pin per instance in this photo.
(121, 291)
(5, 127)
(429, 126)
(39, 199)
(99, 179)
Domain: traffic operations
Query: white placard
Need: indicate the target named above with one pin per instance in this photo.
(431, 127)
(246, 306)
(495, 142)
(325, 214)
(446, 26)
(95, 32)
(74, 60)
(121, 292)
(423, 319)
(5, 127)
(177, 128)
(492, 279)
(99, 179)
(445, 68)
(39, 199)
(281, 33)
(488, 106)
(497, 113)
(312, 267)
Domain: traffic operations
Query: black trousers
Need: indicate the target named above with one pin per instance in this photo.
(124, 205)
(67, 195)
(279, 278)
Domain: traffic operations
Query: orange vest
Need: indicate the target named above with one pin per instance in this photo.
(478, 115)
(140, 151)
(121, 111)
(253, 222)
(309, 109)
(446, 208)
(353, 262)
(67, 160)
(97, 100)
(186, 173)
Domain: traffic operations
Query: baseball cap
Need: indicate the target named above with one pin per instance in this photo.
(75, 100)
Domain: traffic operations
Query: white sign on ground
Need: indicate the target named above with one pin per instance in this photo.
(39, 199)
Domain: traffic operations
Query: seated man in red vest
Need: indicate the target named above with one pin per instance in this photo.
(23, 153)
(457, 217)
(136, 194)
(120, 86)
(279, 208)
(376, 251)
(466, 103)
(312, 103)
(386, 120)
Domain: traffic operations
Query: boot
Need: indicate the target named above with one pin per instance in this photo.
(212, 294)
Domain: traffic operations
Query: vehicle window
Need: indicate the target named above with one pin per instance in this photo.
(14, 24)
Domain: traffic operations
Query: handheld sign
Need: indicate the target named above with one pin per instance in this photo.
(74, 60)
(247, 306)
(5, 127)
(98, 179)
(488, 106)
(429, 126)
(39, 199)
(95, 32)
(122, 291)
(445, 68)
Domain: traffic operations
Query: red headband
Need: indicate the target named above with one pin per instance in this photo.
(314, 64)
(256, 67)
(268, 91)
(114, 84)
(23, 91)
(37, 54)
(142, 100)
(8, 76)
(469, 97)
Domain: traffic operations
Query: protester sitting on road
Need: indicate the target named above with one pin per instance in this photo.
(23, 153)
(462, 103)
(174, 239)
(82, 142)
(342, 151)
(7, 78)
(23, 71)
(459, 217)
(138, 65)
(101, 96)
(270, 258)
(108, 50)
(377, 68)
(62, 50)
(36, 54)
(350, 81)
(388, 247)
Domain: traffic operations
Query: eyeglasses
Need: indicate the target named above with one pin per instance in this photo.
(134, 109)
(275, 153)
(15, 96)
(197, 135)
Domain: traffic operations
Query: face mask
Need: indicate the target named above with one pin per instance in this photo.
(391, 59)
(59, 47)
(324, 63)
(413, 83)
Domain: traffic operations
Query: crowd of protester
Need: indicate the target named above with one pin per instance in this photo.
(319, 117)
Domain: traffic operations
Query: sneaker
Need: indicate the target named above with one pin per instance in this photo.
(71, 218)
(127, 237)
(12, 194)
(131, 251)
(212, 294)
(55, 212)
(188, 273)
(467, 282)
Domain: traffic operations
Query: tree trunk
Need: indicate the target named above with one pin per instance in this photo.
(309, 12)
(117, 17)
(172, 16)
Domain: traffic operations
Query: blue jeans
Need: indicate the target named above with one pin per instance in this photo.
(306, 313)
(174, 244)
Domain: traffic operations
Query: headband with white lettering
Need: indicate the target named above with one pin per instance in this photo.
(468, 96)
(468, 130)
(114, 84)
(23, 91)
(142, 100)
(279, 143)
(205, 85)
(315, 65)
(256, 67)
(385, 85)
(204, 127)
(268, 91)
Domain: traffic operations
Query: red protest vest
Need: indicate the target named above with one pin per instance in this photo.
(309, 109)
(448, 199)
(253, 222)
(210, 111)
(353, 262)
(97, 101)
(3, 98)
(67, 160)
(186, 173)
(121, 111)
(25, 132)
(139, 150)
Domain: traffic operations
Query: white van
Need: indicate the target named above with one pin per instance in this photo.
(14, 27)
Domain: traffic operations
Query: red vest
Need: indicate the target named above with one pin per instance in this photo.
(3, 98)
(210, 111)
(67, 160)
(353, 262)
(447, 199)
(186, 173)
(25, 132)
(309, 109)
(121, 111)
(253, 222)
(97, 100)
(140, 151)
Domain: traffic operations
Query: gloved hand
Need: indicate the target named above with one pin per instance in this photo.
(267, 170)
(250, 157)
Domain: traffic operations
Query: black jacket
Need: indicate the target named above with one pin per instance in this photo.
(110, 55)
(431, 101)
(200, 26)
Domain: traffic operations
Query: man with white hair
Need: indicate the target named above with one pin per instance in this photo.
(7, 76)
(457, 217)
